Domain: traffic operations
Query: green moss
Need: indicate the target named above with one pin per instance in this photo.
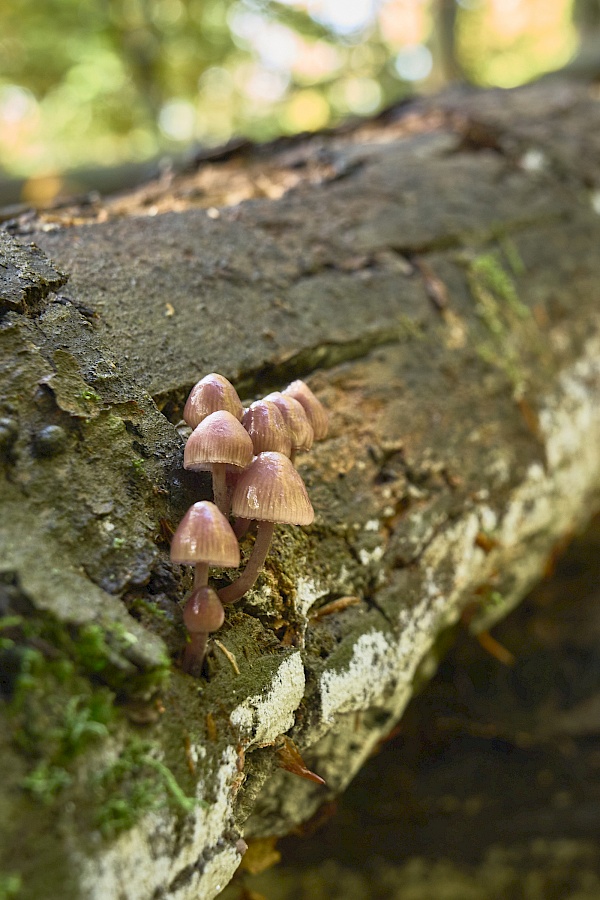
(488, 276)
(114, 424)
(133, 785)
(10, 885)
(54, 715)
(493, 599)
(94, 649)
(88, 395)
(143, 606)
(102, 650)
(10, 622)
(507, 361)
(512, 255)
(503, 315)
(55, 711)
(91, 649)
(46, 781)
(57, 715)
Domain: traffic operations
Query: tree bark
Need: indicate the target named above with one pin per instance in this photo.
(434, 275)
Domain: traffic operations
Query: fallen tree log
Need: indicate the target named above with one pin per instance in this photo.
(434, 275)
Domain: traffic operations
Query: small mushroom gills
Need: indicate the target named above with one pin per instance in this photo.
(267, 428)
(295, 417)
(270, 491)
(202, 614)
(211, 393)
(219, 443)
(315, 411)
(204, 538)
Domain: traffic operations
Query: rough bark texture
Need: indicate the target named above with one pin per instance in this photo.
(435, 276)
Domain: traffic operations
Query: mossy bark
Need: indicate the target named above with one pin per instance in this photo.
(435, 276)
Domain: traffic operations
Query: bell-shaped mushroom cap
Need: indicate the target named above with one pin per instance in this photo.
(219, 438)
(203, 611)
(295, 418)
(211, 393)
(205, 535)
(270, 490)
(266, 426)
(316, 412)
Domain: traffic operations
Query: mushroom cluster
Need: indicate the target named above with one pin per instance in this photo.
(250, 454)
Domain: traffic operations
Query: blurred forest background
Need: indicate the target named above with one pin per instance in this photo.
(86, 84)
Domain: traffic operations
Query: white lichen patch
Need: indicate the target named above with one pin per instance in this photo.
(533, 160)
(261, 718)
(149, 857)
(208, 822)
(571, 414)
(380, 663)
(210, 880)
(550, 500)
(356, 687)
(307, 594)
(488, 519)
(527, 511)
(370, 556)
(455, 553)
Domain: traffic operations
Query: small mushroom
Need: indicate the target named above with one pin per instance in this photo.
(211, 393)
(204, 538)
(266, 426)
(270, 491)
(219, 443)
(316, 412)
(295, 417)
(202, 614)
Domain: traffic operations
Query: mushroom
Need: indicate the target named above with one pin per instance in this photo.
(295, 417)
(203, 613)
(315, 411)
(270, 491)
(211, 393)
(266, 426)
(218, 443)
(204, 538)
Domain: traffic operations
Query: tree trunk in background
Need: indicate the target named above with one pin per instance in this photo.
(434, 274)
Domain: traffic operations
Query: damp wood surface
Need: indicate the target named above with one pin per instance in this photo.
(434, 276)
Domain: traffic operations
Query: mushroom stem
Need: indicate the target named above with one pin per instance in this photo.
(193, 655)
(240, 527)
(201, 575)
(221, 494)
(238, 588)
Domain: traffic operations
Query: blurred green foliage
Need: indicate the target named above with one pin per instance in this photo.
(99, 82)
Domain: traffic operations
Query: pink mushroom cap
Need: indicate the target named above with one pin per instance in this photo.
(211, 393)
(267, 428)
(271, 490)
(205, 536)
(219, 438)
(203, 611)
(295, 418)
(315, 411)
